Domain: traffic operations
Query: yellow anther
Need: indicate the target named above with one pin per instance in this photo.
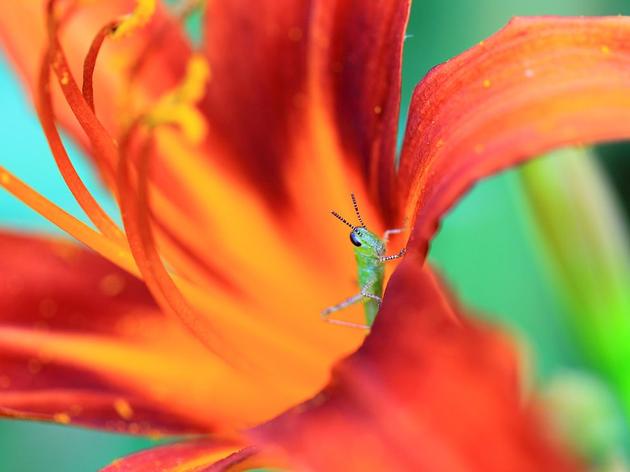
(136, 19)
(188, 118)
(194, 84)
(178, 107)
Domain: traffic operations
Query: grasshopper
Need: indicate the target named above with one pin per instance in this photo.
(369, 253)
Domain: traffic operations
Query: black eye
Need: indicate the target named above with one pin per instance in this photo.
(354, 239)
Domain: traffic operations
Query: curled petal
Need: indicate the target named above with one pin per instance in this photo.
(427, 391)
(190, 456)
(538, 84)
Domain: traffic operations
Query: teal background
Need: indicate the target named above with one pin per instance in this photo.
(485, 246)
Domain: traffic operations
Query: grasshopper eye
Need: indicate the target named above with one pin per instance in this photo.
(354, 239)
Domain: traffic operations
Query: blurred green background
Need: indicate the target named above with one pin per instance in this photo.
(486, 246)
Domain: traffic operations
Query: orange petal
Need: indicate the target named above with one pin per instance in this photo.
(538, 84)
(426, 391)
(187, 456)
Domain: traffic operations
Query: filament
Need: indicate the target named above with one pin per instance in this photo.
(135, 213)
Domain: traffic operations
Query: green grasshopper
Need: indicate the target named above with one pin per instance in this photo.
(369, 252)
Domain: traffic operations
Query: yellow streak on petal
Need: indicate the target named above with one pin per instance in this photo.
(137, 19)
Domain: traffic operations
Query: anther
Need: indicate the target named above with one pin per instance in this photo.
(139, 17)
(179, 105)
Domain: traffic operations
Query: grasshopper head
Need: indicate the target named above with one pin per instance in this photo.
(365, 242)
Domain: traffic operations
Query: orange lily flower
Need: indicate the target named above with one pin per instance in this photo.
(201, 315)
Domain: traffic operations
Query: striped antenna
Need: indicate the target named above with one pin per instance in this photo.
(341, 218)
(356, 210)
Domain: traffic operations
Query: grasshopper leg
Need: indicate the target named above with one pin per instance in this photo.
(347, 323)
(389, 232)
(344, 304)
(394, 256)
(365, 293)
(386, 236)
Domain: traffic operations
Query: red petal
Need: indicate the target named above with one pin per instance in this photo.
(427, 391)
(343, 57)
(82, 342)
(538, 84)
(360, 63)
(191, 456)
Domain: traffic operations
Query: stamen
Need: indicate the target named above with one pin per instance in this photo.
(104, 147)
(114, 252)
(178, 107)
(109, 249)
(80, 192)
(190, 120)
(90, 62)
(138, 18)
(116, 29)
(197, 75)
(175, 107)
(181, 11)
(135, 213)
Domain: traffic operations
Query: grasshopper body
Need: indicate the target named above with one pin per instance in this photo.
(369, 253)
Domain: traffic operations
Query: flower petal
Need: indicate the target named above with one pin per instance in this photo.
(538, 84)
(338, 58)
(187, 456)
(86, 335)
(198, 207)
(356, 53)
(82, 342)
(54, 295)
(427, 391)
